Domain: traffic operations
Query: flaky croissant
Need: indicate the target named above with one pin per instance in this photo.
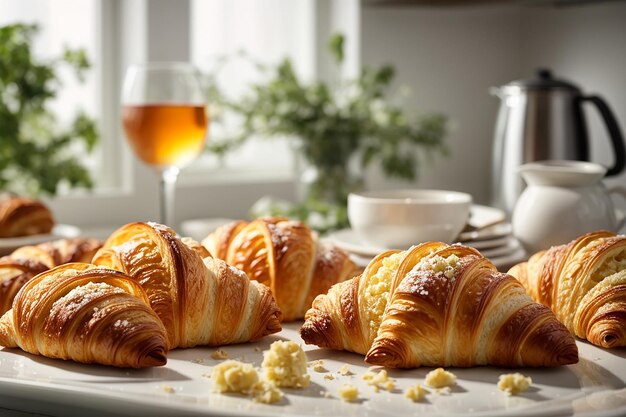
(14, 273)
(437, 305)
(26, 262)
(201, 302)
(60, 251)
(584, 283)
(87, 314)
(21, 216)
(286, 256)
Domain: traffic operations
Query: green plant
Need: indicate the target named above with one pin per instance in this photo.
(35, 155)
(334, 124)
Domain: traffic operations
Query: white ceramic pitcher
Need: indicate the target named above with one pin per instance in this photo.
(563, 200)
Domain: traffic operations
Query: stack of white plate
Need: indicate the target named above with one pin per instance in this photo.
(487, 231)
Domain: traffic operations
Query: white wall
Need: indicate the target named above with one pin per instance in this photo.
(451, 55)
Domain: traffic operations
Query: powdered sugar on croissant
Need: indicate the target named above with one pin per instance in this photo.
(201, 302)
(438, 305)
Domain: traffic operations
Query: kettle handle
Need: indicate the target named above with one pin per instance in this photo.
(617, 139)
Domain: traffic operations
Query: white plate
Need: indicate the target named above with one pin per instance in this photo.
(593, 387)
(489, 243)
(505, 262)
(488, 219)
(59, 231)
(347, 240)
(483, 216)
(489, 232)
(511, 246)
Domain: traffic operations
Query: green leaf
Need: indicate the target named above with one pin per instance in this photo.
(335, 46)
(35, 150)
(334, 125)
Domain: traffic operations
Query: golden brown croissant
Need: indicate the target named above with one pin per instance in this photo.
(438, 305)
(86, 314)
(14, 273)
(21, 216)
(584, 283)
(59, 252)
(26, 262)
(201, 302)
(284, 255)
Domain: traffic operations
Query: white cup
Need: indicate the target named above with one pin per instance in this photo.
(401, 218)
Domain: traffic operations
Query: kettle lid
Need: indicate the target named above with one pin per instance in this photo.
(543, 80)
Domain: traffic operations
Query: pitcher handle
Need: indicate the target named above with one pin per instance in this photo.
(617, 139)
(620, 216)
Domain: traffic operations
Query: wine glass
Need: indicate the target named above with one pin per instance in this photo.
(165, 120)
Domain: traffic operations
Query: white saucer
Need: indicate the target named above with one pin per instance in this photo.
(510, 247)
(59, 231)
(348, 240)
(484, 216)
(503, 262)
(488, 243)
(489, 232)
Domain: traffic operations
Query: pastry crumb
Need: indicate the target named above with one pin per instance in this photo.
(219, 354)
(257, 349)
(440, 378)
(234, 376)
(348, 393)
(318, 366)
(415, 393)
(266, 393)
(379, 380)
(345, 370)
(329, 377)
(285, 365)
(242, 378)
(168, 389)
(513, 384)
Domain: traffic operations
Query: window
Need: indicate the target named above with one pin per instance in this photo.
(117, 33)
(266, 32)
(66, 23)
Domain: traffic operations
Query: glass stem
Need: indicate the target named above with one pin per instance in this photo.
(168, 186)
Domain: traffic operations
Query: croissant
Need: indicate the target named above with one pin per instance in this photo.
(86, 314)
(26, 262)
(59, 252)
(437, 305)
(584, 283)
(20, 216)
(14, 273)
(284, 255)
(200, 302)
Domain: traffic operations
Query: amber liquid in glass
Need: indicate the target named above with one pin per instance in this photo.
(165, 134)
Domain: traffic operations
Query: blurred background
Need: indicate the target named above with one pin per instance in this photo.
(446, 56)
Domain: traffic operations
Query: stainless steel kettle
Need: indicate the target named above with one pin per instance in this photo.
(542, 118)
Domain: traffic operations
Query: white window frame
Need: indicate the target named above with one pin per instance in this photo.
(155, 30)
